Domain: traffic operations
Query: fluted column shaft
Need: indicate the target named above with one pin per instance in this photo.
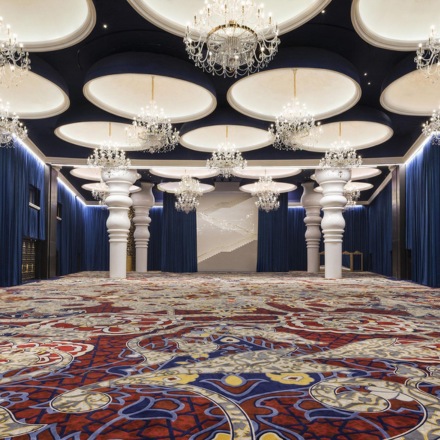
(143, 201)
(333, 203)
(310, 200)
(118, 223)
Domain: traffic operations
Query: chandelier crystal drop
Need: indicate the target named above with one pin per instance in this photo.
(188, 194)
(231, 38)
(10, 127)
(427, 56)
(432, 127)
(152, 130)
(109, 157)
(352, 196)
(267, 194)
(14, 60)
(294, 126)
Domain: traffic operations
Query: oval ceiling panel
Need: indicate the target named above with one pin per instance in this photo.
(280, 187)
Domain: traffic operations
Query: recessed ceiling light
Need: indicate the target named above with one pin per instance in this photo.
(323, 11)
(104, 26)
(365, 74)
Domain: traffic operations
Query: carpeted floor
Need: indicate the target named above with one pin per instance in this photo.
(220, 357)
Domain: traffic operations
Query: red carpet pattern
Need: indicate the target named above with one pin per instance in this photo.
(220, 357)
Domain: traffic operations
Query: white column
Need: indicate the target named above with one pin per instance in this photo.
(333, 202)
(142, 202)
(118, 223)
(310, 200)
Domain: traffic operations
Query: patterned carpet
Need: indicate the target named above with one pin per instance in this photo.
(220, 357)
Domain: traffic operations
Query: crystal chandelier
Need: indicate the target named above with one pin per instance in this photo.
(294, 125)
(267, 194)
(432, 127)
(10, 127)
(152, 130)
(14, 60)
(352, 196)
(188, 194)
(232, 37)
(226, 158)
(340, 155)
(109, 157)
(427, 56)
(100, 193)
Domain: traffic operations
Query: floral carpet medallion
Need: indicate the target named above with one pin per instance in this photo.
(220, 357)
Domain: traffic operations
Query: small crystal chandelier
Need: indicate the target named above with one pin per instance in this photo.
(267, 194)
(231, 38)
(152, 130)
(14, 60)
(10, 127)
(427, 56)
(109, 157)
(294, 125)
(340, 155)
(432, 127)
(226, 158)
(101, 193)
(188, 194)
(352, 196)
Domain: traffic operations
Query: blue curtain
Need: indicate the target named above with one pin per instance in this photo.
(422, 216)
(273, 236)
(356, 234)
(179, 238)
(155, 243)
(96, 255)
(380, 233)
(297, 248)
(18, 169)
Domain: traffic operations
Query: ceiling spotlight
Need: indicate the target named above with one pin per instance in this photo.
(427, 56)
(231, 38)
(14, 60)
(432, 127)
(152, 130)
(294, 126)
(10, 127)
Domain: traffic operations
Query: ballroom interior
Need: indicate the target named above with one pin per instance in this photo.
(237, 197)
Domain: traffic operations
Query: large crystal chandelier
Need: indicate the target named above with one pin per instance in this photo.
(232, 37)
(188, 194)
(14, 60)
(267, 194)
(294, 125)
(352, 196)
(152, 130)
(340, 155)
(226, 158)
(427, 56)
(109, 157)
(432, 127)
(10, 127)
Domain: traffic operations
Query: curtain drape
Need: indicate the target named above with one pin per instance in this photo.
(356, 233)
(179, 238)
(380, 232)
(96, 249)
(18, 169)
(422, 216)
(297, 248)
(155, 243)
(273, 239)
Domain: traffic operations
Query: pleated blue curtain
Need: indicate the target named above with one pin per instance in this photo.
(422, 216)
(297, 248)
(380, 233)
(18, 169)
(273, 240)
(155, 243)
(356, 233)
(179, 238)
(96, 249)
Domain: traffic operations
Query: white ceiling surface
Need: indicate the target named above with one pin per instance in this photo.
(173, 15)
(45, 25)
(98, 186)
(351, 186)
(325, 92)
(360, 135)
(124, 94)
(179, 172)
(244, 138)
(87, 173)
(377, 22)
(172, 187)
(35, 97)
(412, 94)
(255, 172)
(360, 173)
(280, 187)
(93, 134)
